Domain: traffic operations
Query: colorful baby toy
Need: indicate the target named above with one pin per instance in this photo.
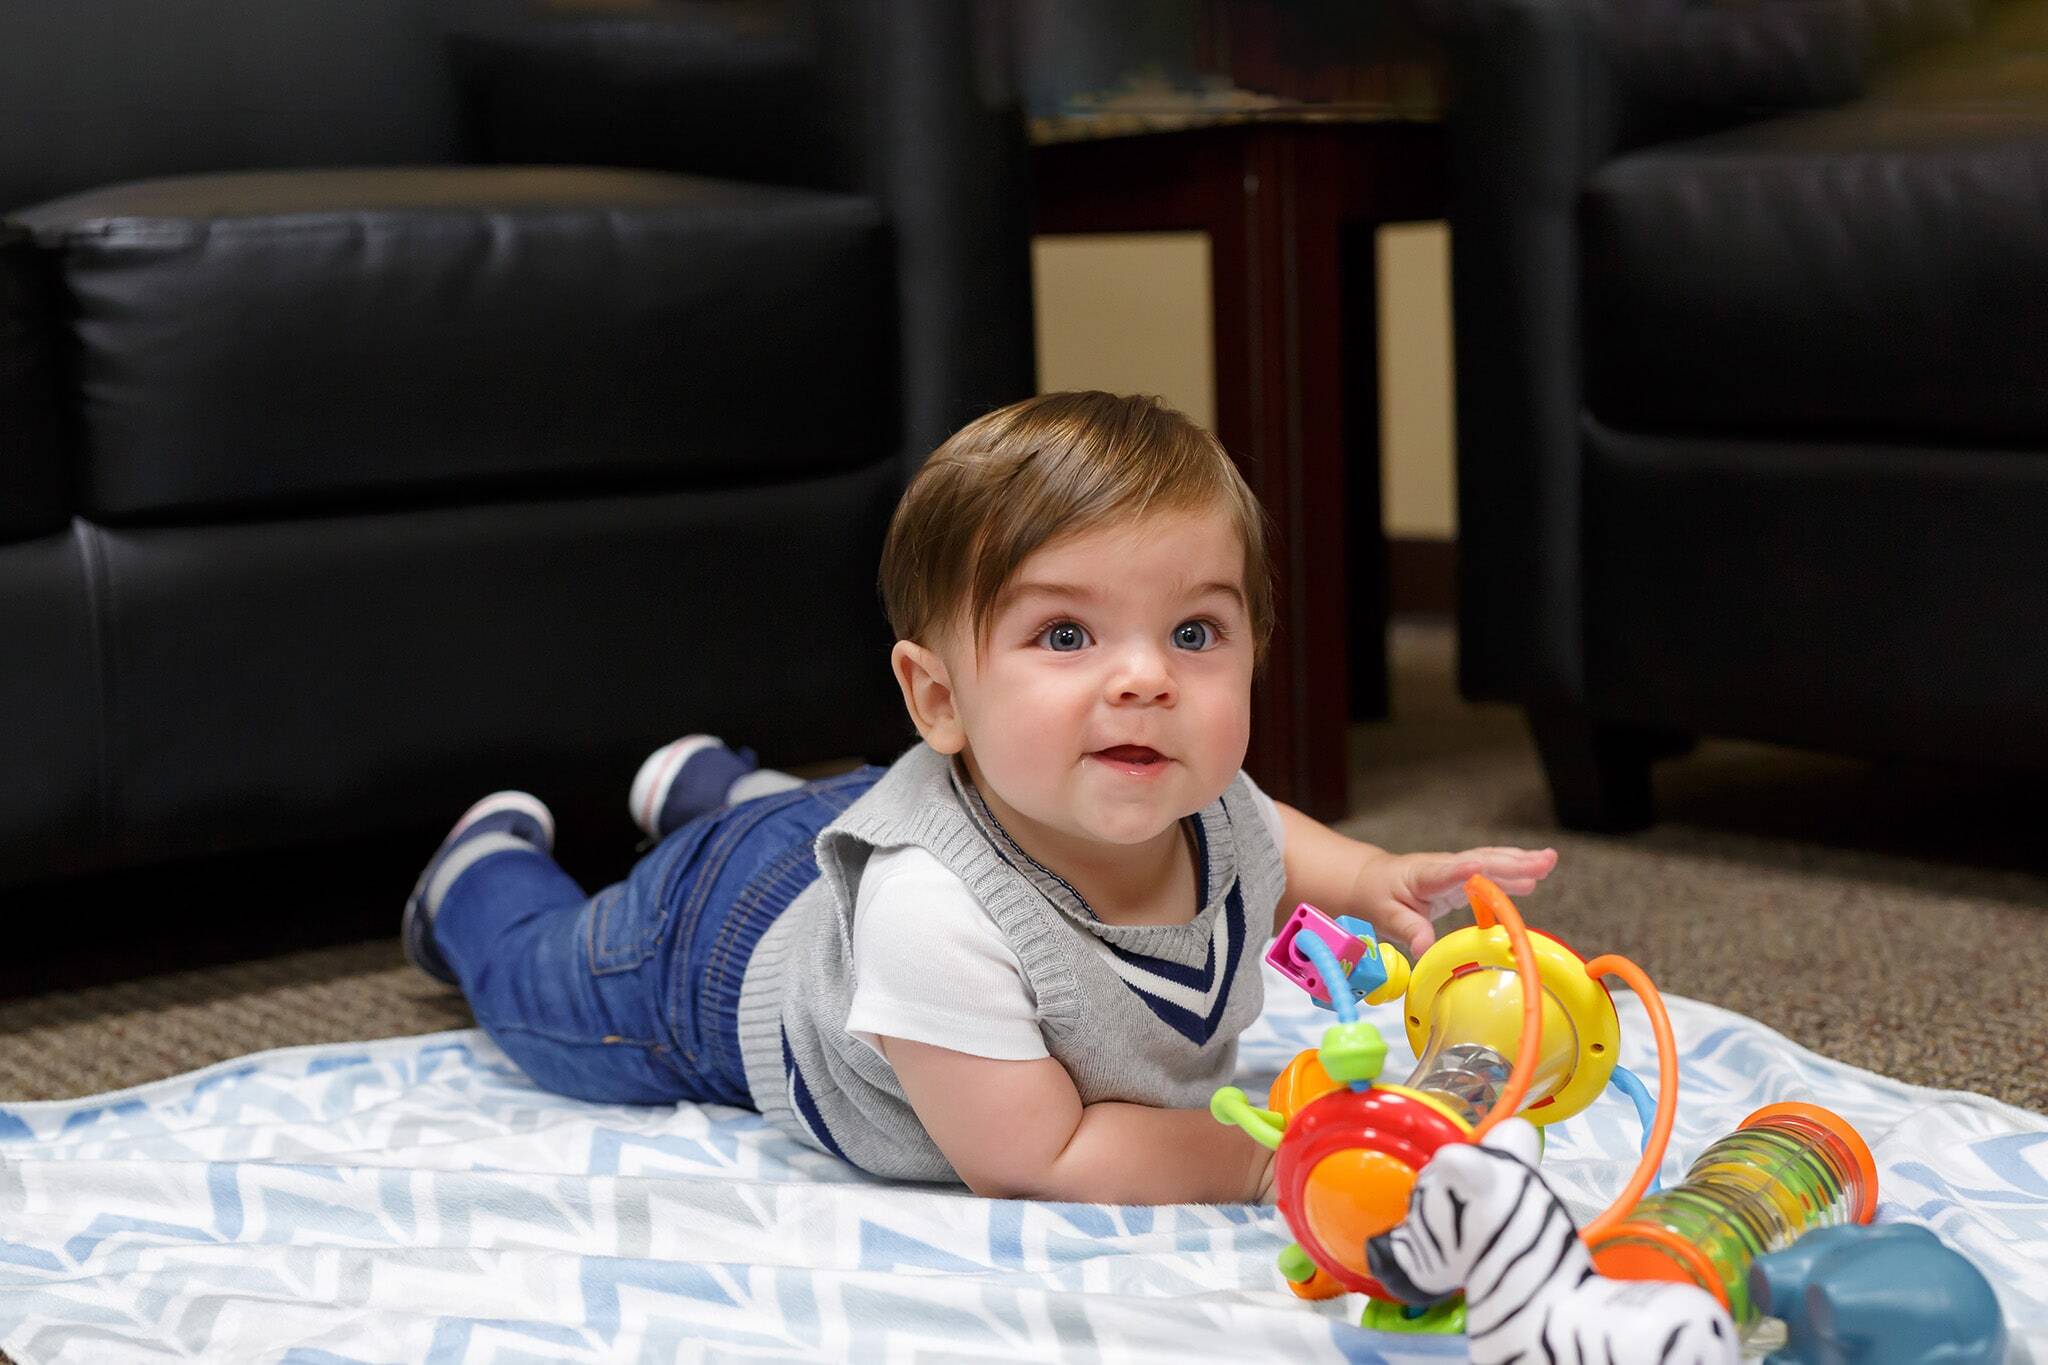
(1483, 1220)
(1402, 1192)
(1894, 1294)
(1502, 1020)
(1786, 1170)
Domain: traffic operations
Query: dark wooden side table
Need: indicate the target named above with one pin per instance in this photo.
(1290, 207)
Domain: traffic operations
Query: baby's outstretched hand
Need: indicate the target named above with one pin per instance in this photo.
(1402, 893)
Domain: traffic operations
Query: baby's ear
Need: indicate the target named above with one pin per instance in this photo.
(1518, 1138)
(928, 696)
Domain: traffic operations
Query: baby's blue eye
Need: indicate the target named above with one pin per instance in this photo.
(1063, 637)
(1196, 635)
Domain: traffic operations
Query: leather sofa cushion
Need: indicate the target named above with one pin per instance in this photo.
(1865, 598)
(267, 340)
(327, 676)
(1879, 269)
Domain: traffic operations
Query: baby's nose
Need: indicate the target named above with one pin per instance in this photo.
(1143, 677)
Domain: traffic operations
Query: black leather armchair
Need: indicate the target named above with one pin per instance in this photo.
(1752, 378)
(401, 398)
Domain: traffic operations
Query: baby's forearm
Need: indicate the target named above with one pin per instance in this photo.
(1322, 865)
(1018, 1130)
(1135, 1154)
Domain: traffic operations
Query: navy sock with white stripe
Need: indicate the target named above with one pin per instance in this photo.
(687, 777)
(501, 822)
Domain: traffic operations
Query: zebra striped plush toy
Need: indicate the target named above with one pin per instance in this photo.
(1481, 1219)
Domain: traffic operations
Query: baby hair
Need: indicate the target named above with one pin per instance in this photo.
(1042, 469)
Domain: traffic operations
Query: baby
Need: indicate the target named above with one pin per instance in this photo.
(1021, 955)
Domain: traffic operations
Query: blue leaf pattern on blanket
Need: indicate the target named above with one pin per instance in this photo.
(417, 1199)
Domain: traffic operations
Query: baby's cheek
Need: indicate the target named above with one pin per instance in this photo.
(1231, 733)
(1021, 766)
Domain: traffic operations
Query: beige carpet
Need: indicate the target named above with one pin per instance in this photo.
(1896, 919)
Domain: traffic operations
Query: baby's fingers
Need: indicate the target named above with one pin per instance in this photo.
(1438, 888)
(1402, 925)
(1509, 868)
(1444, 878)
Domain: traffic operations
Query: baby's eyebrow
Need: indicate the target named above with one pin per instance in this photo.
(1230, 590)
(1034, 589)
(1076, 592)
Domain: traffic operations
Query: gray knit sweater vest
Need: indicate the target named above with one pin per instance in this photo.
(1144, 1013)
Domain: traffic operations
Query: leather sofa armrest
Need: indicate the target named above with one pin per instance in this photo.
(1532, 111)
(1542, 93)
(34, 483)
(939, 115)
(1740, 61)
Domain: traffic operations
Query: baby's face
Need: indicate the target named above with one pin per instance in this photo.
(1114, 693)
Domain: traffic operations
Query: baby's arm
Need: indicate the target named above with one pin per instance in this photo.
(1399, 894)
(1018, 1130)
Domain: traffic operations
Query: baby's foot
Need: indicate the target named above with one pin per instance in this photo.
(683, 779)
(500, 821)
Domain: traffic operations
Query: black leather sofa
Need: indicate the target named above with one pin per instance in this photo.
(1752, 378)
(402, 398)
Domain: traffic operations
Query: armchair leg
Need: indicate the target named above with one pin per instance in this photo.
(1600, 774)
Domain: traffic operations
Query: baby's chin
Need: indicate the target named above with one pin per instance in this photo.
(1116, 837)
(1125, 828)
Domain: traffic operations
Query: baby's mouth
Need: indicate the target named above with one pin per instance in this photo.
(1130, 756)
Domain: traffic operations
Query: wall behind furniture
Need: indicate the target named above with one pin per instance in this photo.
(1131, 313)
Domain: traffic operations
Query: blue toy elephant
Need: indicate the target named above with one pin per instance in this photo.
(1892, 1294)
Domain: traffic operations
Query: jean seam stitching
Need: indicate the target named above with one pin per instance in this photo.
(567, 1040)
(609, 962)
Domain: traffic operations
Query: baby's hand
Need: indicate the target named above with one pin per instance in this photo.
(1402, 893)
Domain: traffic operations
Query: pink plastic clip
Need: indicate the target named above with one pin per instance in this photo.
(1294, 964)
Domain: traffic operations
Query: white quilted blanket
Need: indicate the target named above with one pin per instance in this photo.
(416, 1199)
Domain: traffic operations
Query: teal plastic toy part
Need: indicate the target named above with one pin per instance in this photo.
(1447, 1317)
(1332, 972)
(1887, 1294)
(1630, 1085)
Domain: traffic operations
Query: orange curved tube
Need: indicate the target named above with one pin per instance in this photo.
(1491, 904)
(1667, 1092)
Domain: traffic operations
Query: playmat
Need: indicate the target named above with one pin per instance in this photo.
(416, 1199)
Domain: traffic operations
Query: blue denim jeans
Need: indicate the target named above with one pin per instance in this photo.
(631, 996)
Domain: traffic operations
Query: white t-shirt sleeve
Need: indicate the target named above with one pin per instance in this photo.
(930, 965)
(1269, 815)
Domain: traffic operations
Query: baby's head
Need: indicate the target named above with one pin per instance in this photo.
(1080, 593)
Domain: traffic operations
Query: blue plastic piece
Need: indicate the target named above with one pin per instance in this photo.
(1629, 1084)
(1888, 1294)
(1326, 963)
(1318, 952)
(1371, 972)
